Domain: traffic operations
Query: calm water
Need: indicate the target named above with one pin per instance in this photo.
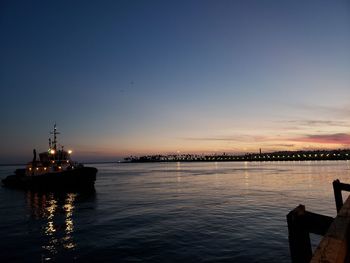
(190, 212)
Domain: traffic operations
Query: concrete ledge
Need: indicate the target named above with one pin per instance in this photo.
(334, 246)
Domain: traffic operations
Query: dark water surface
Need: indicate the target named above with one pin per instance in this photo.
(190, 212)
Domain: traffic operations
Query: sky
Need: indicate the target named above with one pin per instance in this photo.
(127, 78)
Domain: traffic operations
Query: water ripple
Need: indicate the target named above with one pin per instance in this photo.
(192, 212)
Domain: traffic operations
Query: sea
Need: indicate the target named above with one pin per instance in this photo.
(168, 212)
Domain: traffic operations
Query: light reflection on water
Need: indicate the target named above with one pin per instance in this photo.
(202, 212)
(56, 210)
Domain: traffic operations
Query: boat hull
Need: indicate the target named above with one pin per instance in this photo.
(79, 178)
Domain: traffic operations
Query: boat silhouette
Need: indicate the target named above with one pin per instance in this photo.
(53, 170)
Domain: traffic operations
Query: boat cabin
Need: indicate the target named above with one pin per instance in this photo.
(51, 161)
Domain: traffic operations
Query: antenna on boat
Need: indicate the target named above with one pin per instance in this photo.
(54, 132)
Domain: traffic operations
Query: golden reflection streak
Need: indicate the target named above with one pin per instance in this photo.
(50, 228)
(246, 175)
(57, 230)
(51, 208)
(178, 172)
(68, 208)
(178, 166)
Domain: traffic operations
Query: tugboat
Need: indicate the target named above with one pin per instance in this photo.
(53, 170)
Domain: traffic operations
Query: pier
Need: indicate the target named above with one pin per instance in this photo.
(334, 246)
(323, 155)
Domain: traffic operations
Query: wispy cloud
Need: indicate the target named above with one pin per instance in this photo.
(282, 141)
(340, 111)
(336, 138)
(318, 123)
(235, 138)
(212, 138)
(287, 145)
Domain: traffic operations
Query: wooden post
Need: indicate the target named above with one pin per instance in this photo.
(317, 224)
(334, 247)
(299, 238)
(337, 194)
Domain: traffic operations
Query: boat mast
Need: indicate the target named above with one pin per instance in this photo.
(54, 132)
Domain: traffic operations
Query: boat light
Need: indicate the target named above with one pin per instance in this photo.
(45, 168)
(30, 168)
(70, 151)
(60, 167)
(37, 168)
(52, 151)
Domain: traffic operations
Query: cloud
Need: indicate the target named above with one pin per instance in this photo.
(236, 138)
(319, 123)
(211, 139)
(342, 111)
(336, 138)
(281, 145)
(282, 141)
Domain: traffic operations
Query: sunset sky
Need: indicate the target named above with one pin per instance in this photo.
(144, 77)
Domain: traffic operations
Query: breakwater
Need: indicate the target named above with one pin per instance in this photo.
(318, 155)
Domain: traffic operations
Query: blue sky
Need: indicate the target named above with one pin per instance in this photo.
(135, 77)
